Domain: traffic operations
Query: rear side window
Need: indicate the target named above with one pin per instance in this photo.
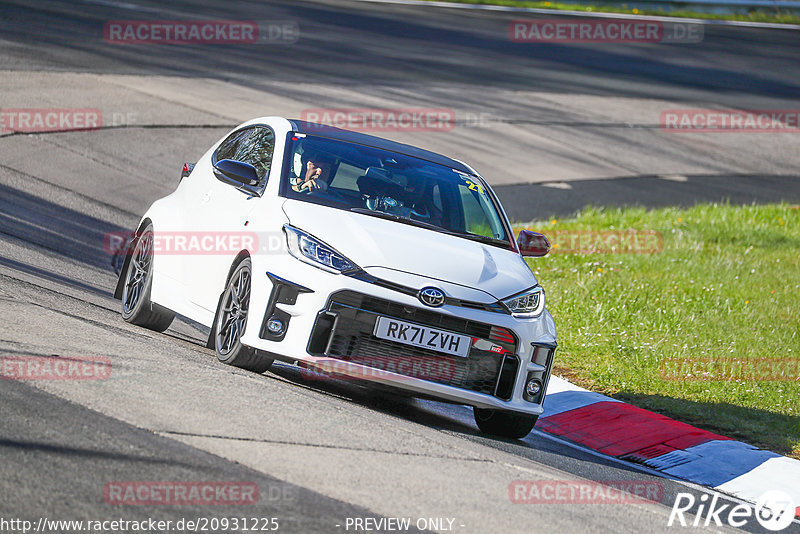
(227, 149)
(254, 145)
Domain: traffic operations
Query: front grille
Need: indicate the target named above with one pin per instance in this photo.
(415, 315)
(349, 338)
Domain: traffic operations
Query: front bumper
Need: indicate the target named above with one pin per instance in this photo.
(330, 321)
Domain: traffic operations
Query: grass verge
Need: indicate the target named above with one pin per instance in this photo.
(705, 330)
(771, 16)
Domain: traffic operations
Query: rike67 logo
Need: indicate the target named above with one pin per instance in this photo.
(774, 510)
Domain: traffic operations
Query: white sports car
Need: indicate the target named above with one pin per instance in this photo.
(354, 255)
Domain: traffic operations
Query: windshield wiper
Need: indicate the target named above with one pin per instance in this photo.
(401, 219)
(486, 239)
(404, 220)
(422, 224)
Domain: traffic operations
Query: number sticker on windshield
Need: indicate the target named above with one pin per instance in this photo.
(473, 186)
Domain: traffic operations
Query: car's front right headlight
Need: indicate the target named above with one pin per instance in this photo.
(529, 303)
(311, 250)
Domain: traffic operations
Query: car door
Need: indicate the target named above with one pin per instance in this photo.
(220, 213)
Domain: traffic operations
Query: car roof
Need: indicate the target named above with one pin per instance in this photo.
(331, 132)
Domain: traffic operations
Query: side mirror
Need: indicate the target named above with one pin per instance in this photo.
(533, 244)
(236, 172)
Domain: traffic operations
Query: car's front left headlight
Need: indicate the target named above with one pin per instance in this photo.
(529, 303)
(311, 250)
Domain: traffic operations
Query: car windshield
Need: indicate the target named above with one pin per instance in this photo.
(394, 186)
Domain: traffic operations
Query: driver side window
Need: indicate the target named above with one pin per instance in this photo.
(254, 145)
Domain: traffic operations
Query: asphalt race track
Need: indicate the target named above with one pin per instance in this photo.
(553, 127)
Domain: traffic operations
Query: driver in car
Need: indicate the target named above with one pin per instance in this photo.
(317, 177)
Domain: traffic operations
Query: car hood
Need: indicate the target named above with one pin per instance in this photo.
(411, 255)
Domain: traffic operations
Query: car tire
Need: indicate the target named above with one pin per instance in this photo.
(137, 308)
(504, 424)
(230, 321)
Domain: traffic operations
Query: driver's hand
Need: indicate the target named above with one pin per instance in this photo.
(307, 186)
(312, 171)
(313, 184)
(313, 178)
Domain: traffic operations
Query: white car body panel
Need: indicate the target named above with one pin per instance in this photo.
(414, 257)
(380, 243)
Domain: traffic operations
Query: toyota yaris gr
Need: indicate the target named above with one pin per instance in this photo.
(352, 256)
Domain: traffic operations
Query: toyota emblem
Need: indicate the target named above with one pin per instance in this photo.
(431, 296)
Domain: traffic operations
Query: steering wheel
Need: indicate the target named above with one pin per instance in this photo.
(425, 215)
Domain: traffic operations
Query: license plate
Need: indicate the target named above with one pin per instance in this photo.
(422, 336)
